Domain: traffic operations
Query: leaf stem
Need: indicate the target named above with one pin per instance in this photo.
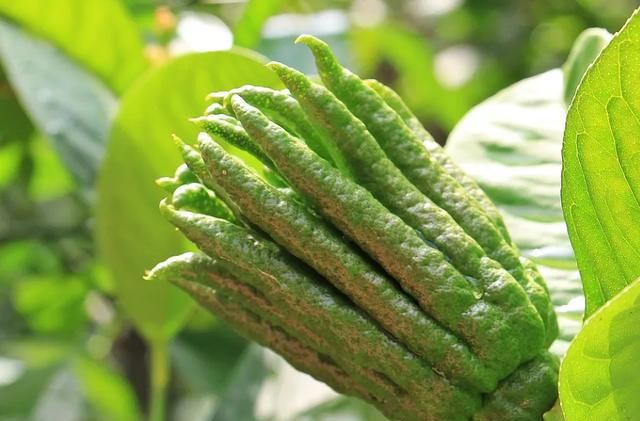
(159, 380)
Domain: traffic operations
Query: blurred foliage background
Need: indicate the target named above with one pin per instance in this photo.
(82, 337)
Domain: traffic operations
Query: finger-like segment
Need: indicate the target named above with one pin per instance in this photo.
(526, 394)
(195, 163)
(192, 271)
(438, 154)
(289, 284)
(419, 268)
(286, 112)
(195, 197)
(538, 294)
(232, 133)
(406, 150)
(323, 248)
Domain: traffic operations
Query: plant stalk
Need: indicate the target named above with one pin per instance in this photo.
(159, 380)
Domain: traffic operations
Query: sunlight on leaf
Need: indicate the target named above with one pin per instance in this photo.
(600, 375)
(96, 33)
(601, 176)
(66, 103)
(132, 235)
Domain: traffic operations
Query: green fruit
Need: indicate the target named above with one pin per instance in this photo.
(286, 112)
(302, 295)
(334, 230)
(409, 153)
(195, 197)
(532, 281)
(449, 298)
(320, 246)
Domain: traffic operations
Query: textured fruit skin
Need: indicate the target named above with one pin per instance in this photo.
(532, 280)
(287, 113)
(294, 288)
(449, 297)
(230, 130)
(411, 156)
(334, 230)
(525, 394)
(210, 281)
(318, 244)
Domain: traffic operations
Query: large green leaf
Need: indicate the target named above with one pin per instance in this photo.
(132, 235)
(601, 175)
(69, 105)
(511, 144)
(600, 375)
(96, 33)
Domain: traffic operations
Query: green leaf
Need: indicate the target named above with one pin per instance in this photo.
(599, 377)
(50, 178)
(10, 160)
(511, 145)
(131, 234)
(110, 395)
(600, 175)
(52, 305)
(13, 120)
(97, 34)
(39, 352)
(206, 359)
(248, 29)
(26, 258)
(239, 398)
(586, 49)
(66, 103)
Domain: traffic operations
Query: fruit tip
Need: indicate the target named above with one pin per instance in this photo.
(179, 143)
(217, 96)
(198, 120)
(303, 38)
(275, 65)
(164, 181)
(314, 43)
